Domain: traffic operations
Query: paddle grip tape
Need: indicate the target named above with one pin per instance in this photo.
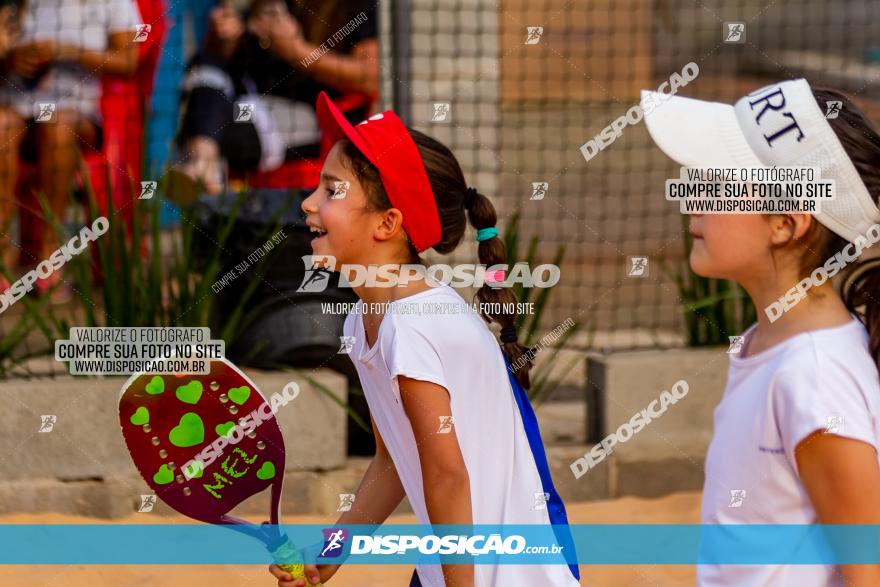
(293, 561)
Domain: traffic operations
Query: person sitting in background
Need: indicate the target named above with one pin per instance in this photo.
(49, 95)
(270, 59)
(10, 27)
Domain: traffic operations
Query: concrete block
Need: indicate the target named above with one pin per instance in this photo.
(657, 478)
(630, 381)
(667, 454)
(593, 485)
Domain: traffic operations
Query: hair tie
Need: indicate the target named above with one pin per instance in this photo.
(508, 333)
(470, 194)
(484, 234)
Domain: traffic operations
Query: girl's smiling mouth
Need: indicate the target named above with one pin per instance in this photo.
(319, 232)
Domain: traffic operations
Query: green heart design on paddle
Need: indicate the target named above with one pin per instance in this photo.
(189, 432)
(156, 385)
(163, 476)
(240, 394)
(267, 471)
(191, 392)
(224, 429)
(141, 416)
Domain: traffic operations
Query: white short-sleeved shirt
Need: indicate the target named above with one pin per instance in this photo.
(457, 351)
(815, 381)
(84, 23)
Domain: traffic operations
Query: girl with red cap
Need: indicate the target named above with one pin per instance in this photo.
(454, 430)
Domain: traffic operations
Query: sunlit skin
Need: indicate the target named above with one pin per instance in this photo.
(357, 235)
(841, 475)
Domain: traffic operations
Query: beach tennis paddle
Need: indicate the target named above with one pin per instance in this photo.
(168, 420)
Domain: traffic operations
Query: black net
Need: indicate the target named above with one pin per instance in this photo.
(529, 83)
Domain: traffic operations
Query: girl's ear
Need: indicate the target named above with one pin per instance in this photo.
(390, 224)
(786, 228)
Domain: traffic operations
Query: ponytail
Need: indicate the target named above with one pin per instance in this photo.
(860, 139)
(861, 294)
(481, 214)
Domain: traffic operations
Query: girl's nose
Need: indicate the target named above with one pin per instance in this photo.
(310, 204)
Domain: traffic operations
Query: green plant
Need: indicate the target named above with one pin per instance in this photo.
(530, 325)
(714, 309)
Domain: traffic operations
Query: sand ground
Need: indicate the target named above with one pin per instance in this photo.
(676, 508)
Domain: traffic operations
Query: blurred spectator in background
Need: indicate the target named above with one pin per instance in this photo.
(276, 57)
(10, 27)
(10, 24)
(50, 90)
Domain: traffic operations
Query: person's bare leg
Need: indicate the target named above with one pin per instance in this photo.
(11, 133)
(58, 154)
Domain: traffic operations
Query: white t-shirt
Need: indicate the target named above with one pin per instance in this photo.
(819, 380)
(84, 23)
(458, 352)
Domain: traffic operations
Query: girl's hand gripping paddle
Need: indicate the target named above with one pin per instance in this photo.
(168, 420)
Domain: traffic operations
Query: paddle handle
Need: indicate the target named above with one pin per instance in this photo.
(293, 562)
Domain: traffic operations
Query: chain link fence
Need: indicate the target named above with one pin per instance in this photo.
(529, 82)
(518, 87)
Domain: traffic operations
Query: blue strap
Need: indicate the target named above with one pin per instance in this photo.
(555, 507)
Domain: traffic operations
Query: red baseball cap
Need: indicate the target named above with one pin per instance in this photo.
(385, 142)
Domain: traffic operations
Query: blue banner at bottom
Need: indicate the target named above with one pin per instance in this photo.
(617, 544)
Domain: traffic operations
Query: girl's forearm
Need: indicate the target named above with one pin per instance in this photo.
(448, 498)
(377, 496)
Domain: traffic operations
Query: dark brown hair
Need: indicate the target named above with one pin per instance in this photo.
(450, 191)
(861, 141)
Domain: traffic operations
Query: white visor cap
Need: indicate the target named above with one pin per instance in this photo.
(780, 125)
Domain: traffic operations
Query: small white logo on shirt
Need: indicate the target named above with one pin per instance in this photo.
(446, 423)
(737, 497)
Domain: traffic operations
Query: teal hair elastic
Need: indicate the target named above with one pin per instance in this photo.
(485, 234)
